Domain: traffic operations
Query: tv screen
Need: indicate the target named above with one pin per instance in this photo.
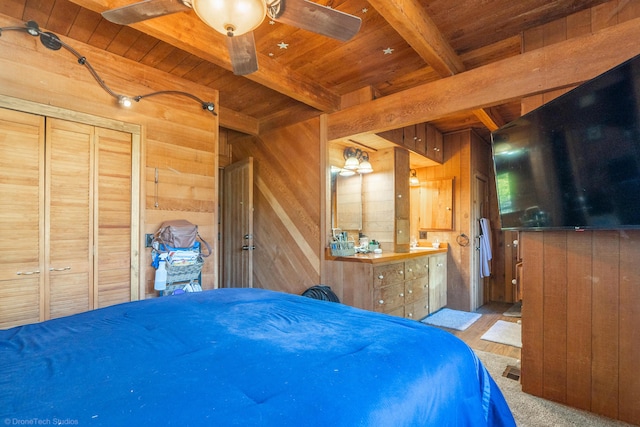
(574, 163)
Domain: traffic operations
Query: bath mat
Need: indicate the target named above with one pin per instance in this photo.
(452, 319)
(504, 332)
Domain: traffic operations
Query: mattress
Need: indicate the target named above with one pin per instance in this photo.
(242, 357)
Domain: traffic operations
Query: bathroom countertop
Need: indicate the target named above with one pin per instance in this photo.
(372, 258)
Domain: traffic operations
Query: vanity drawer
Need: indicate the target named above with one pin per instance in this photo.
(389, 298)
(416, 289)
(417, 310)
(384, 275)
(414, 268)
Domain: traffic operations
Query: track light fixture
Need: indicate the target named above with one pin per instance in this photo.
(53, 42)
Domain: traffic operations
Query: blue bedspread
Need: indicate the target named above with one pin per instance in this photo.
(242, 357)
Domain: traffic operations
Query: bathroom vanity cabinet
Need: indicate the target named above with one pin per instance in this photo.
(410, 285)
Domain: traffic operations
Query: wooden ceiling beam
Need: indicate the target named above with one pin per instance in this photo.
(237, 121)
(190, 34)
(411, 21)
(556, 66)
(488, 119)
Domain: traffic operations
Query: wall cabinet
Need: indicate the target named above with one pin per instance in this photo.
(422, 138)
(67, 236)
(399, 288)
(436, 204)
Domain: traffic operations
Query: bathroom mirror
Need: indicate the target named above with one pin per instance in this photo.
(346, 195)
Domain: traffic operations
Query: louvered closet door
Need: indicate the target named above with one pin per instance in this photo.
(112, 264)
(66, 217)
(21, 197)
(69, 223)
(89, 225)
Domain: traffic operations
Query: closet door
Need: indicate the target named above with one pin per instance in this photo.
(89, 225)
(66, 223)
(112, 262)
(69, 223)
(21, 218)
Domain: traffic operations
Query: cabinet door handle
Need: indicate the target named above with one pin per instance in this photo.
(381, 277)
(410, 270)
(59, 269)
(27, 273)
(401, 294)
(410, 291)
(410, 315)
(400, 272)
(381, 301)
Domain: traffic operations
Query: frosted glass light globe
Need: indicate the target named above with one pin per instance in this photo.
(231, 17)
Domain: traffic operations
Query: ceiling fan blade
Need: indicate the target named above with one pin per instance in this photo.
(242, 51)
(319, 19)
(143, 10)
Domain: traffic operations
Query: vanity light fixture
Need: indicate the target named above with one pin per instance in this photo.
(346, 172)
(352, 158)
(365, 166)
(356, 160)
(413, 178)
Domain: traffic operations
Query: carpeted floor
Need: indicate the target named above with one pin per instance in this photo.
(532, 411)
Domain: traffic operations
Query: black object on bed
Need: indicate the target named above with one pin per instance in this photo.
(242, 357)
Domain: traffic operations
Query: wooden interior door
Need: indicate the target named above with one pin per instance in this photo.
(237, 225)
(479, 286)
(69, 223)
(21, 226)
(113, 218)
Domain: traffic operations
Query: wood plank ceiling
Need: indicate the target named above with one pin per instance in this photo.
(402, 44)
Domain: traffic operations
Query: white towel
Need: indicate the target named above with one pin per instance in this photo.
(485, 248)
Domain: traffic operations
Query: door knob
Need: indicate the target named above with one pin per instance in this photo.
(248, 248)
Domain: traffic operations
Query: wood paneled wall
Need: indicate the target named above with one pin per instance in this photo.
(179, 138)
(287, 205)
(581, 311)
(581, 291)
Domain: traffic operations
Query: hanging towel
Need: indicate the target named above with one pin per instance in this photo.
(485, 248)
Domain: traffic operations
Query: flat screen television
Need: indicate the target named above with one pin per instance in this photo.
(574, 163)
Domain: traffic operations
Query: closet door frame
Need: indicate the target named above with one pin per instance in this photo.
(137, 284)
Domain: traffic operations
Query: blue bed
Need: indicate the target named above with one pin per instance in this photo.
(242, 357)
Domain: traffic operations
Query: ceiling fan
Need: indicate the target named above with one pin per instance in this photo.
(237, 19)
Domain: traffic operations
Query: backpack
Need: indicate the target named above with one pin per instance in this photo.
(179, 234)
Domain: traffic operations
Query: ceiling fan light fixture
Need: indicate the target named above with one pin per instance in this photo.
(231, 17)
